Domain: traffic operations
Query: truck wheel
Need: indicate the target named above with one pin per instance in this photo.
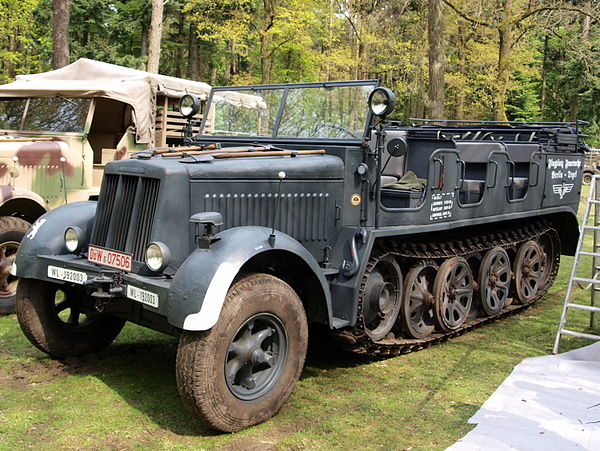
(240, 372)
(54, 319)
(12, 231)
(587, 178)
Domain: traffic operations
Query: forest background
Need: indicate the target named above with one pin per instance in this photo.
(458, 59)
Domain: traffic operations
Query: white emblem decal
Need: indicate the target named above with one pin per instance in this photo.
(35, 227)
(563, 189)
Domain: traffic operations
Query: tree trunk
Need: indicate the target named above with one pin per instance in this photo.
(544, 79)
(180, 51)
(266, 41)
(144, 41)
(155, 34)
(194, 56)
(60, 33)
(437, 60)
(505, 30)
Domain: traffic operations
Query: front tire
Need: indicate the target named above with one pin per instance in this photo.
(241, 372)
(56, 322)
(12, 232)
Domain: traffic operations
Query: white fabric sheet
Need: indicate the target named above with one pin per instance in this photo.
(547, 403)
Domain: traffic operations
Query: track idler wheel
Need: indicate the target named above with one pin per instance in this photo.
(494, 280)
(382, 298)
(417, 318)
(453, 292)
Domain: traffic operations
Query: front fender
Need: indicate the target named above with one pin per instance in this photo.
(200, 285)
(46, 236)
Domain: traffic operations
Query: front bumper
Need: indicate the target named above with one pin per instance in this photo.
(151, 292)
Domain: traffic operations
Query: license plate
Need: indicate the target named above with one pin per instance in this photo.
(143, 296)
(68, 275)
(106, 257)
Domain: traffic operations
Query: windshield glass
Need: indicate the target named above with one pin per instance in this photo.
(58, 114)
(332, 110)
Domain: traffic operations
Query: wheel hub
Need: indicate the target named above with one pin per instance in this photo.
(255, 356)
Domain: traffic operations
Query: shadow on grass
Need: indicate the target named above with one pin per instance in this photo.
(141, 370)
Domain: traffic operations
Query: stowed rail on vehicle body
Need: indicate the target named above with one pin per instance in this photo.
(290, 208)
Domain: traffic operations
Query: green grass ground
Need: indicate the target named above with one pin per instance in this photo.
(126, 398)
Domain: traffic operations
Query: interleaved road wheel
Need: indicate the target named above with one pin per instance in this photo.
(12, 231)
(53, 318)
(240, 372)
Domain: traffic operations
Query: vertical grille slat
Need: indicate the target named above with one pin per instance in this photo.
(125, 215)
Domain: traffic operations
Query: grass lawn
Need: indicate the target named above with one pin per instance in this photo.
(125, 397)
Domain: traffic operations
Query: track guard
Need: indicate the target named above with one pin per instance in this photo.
(201, 283)
(46, 236)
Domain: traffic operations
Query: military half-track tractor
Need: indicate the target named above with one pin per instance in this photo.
(301, 204)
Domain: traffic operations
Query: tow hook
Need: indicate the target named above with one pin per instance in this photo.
(106, 287)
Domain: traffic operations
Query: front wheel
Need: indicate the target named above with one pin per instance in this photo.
(587, 178)
(240, 372)
(56, 320)
(12, 231)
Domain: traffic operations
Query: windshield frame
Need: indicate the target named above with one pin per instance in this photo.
(374, 83)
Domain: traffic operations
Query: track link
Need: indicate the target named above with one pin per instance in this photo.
(356, 339)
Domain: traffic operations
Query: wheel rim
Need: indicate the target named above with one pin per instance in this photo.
(418, 301)
(453, 291)
(8, 282)
(256, 356)
(546, 244)
(69, 313)
(529, 271)
(382, 298)
(494, 280)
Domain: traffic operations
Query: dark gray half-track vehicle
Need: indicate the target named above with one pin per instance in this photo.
(296, 205)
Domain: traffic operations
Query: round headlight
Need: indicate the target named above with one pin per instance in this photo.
(157, 256)
(189, 105)
(73, 236)
(382, 101)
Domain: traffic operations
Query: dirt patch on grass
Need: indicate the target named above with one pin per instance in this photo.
(269, 438)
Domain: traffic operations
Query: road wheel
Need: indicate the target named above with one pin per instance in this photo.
(529, 272)
(12, 231)
(240, 372)
(55, 320)
(453, 293)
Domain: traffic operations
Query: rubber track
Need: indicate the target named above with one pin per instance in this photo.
(357, 340)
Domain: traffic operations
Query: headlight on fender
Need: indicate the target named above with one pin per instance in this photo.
(157, 256)
(73, 239)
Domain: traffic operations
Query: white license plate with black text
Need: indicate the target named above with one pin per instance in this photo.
(107, 257)
(143, 296)
(68, 275)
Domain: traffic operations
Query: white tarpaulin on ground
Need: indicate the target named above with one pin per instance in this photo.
(547, 403)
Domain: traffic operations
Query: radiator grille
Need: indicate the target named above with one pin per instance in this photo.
(125, 214)
(302, 215)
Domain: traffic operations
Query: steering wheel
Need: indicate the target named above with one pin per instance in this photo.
(335, 127)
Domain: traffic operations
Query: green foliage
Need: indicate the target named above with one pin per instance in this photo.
(253, 41)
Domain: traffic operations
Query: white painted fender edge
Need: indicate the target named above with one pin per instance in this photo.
(209, 313)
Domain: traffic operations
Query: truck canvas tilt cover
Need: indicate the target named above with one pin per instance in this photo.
(301, 204)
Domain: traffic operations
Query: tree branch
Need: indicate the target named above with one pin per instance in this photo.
(466, 17)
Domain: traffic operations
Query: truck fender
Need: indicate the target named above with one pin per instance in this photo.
(46, 236)
(201, 283)
(22, 202)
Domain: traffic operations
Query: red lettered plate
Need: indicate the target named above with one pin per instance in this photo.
(107, 257)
